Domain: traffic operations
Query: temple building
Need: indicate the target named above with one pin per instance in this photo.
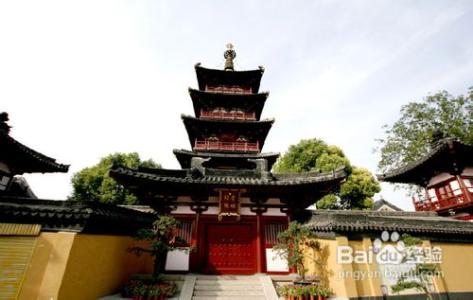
(230, 204)
(17, 159)
(446, 174)
(231, 207)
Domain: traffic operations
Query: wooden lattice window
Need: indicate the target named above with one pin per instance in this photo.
(271, 232)
(185, 232)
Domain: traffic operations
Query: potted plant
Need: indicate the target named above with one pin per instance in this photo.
(313, 291)
(154, 292)
(324, 293)
(169, 289)
(292, 244)
(138, 292)
(162, 237)
(283, 291)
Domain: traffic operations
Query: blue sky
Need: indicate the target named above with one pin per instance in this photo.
(82, 79)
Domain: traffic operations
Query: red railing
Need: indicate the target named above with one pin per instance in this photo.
(226, 146)
(228, 89)
(430, 204)
(234, 115)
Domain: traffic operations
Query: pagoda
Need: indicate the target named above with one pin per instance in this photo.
(445, 173)
(230, 204)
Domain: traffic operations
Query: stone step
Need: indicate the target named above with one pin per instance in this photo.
(228, 287)
(228, 298)
(226, 283)
(228, 277)
(229, 293)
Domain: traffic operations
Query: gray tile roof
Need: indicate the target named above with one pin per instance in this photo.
(363, 221)
(28, 160)
(381, 202)
(231, 177)
(90, 217)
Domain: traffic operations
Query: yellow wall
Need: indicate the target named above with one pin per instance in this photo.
(366, 286)
(44, 276)
(80, 266)
(457, 267)
(329, 270)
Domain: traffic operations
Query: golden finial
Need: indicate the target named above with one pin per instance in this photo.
(229, 55)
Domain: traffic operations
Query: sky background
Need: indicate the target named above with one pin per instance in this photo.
(82, 79)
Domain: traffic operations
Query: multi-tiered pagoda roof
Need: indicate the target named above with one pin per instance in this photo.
(227, 135)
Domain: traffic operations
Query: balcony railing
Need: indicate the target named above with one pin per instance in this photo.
(226, 146)
(228, 89)
(223, 115)
(430, 204)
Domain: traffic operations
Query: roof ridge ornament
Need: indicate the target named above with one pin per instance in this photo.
(229, 55)
(4, 127)
(437, 136)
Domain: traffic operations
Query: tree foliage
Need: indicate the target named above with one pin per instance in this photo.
(315, 155)
(162, 237)
(408, 139)
(293, 244)
(94, 183)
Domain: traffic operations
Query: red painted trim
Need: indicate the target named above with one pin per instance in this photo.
(465, 218)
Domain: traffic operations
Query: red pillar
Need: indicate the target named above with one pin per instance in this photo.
(464, 189)
(259, 256)
(194, 255)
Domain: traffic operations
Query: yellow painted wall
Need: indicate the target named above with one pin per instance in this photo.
(98, 265)
(457, 267)
(79, 266)
(47, 266)
(329, 271)
(367, 282)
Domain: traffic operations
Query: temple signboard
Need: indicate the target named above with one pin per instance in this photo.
(229, 203)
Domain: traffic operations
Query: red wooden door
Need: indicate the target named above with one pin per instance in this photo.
(230, 249)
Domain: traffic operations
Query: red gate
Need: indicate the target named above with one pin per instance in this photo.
(230, 249)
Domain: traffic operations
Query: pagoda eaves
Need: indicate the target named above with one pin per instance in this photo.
(215, 78)
(235, 159)
(205, 101)
(200, 130)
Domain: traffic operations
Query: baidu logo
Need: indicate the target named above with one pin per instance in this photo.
(389, 249)
(389, 254)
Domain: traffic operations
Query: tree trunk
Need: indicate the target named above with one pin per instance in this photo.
(159, 262)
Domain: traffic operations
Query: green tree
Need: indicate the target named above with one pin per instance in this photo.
(420, 277)
(408, 139)
(315, 155)
(162, 237)
(293, 244)
(94, 183)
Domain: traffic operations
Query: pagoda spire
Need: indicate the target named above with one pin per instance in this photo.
(229, 55)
